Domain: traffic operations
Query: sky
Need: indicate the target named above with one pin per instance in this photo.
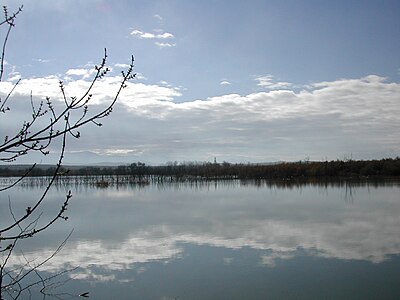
(240, 81)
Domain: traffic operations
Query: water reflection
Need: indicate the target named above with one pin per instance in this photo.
(125, 228)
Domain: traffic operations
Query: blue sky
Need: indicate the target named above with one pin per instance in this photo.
(237, 80)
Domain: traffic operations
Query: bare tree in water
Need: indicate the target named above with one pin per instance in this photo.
(47, 125)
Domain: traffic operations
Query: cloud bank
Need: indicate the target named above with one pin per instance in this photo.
(324, 120)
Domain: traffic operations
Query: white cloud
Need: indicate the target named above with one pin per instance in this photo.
(149, 35)
(225, 82)
(157, 16)
(117, 152)
(122, 66)
(84, 73)
(14, 76)
(140, 76)
(163, 82)
(77, 72)
(159, 36)
(136, 32)
(358, 115)
(268, 82)
(165, 45)
(328, 119)
(43, 60)
(165, 35)
(44, 86)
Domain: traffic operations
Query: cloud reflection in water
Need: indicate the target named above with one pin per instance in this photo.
(119, 229)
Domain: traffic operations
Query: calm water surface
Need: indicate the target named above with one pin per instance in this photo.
(224, 240)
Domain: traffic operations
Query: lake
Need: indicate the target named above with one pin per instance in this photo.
(221, 240)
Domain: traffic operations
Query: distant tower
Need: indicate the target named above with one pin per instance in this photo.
(215, 160)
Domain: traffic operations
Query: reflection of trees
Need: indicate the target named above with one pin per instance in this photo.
(166, 182)
(349, 190)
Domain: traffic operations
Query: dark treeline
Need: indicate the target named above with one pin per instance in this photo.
(287, 170)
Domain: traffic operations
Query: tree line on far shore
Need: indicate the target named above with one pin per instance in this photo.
(387, 167)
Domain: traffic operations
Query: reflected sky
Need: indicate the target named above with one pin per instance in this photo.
(122, 232)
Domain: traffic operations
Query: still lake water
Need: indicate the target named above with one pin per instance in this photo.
(224, 240)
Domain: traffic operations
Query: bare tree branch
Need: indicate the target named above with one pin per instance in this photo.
(46, 125)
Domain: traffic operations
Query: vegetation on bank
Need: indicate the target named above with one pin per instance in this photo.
(388, 167)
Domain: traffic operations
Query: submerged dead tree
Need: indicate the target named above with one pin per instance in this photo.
(48, 124)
